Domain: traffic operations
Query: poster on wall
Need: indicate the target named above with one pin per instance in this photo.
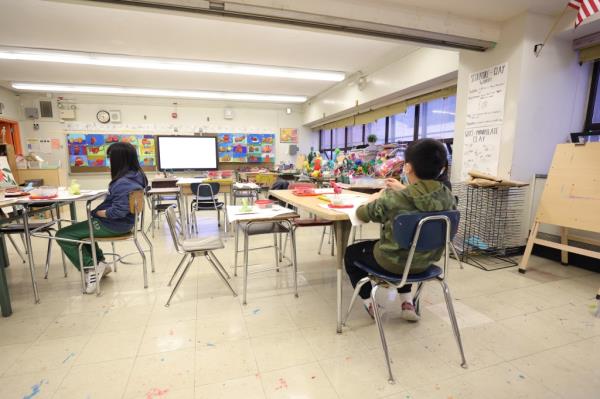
(88, 152)
(288, 135)
(6, 175)
(246, 148)
(484, 118)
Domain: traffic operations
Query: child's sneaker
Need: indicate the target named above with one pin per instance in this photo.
(408, 312)
(107, 268)
(91, 279)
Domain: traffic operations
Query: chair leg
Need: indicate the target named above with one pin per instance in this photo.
(353, 234)
(453, 321)
(14, 244)
(236, 250)
(151, 247)
(79, 249)
(453, 248)
(48, 256)
(245, 271)
(220, 273)
(187, 267)
(281, 248)
(294, 259)
(275, 247)
(218, 263)
(24, 242)
(322, 239)
(332, 237)
(379, 322)
(359, 285)
(177, 269)
(114, 251)
(144, 266)
(417, 298)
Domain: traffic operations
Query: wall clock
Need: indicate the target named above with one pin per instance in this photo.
(103, 116)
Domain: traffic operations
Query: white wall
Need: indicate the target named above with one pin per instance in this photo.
(545, 97)
(11, 104)
(157, 114)
(422, 70)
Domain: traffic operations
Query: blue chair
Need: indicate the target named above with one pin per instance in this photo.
(415, 232)
(206, 199)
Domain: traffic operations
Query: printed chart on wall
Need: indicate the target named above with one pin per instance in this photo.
(246, 147)
(485, 114)
(88, 152)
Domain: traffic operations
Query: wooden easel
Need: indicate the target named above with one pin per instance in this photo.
(571, 200)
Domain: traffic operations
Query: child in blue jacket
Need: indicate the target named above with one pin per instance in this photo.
(112, 217)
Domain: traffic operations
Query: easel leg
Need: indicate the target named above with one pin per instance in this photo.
(529, 247)
(564, 239)
(598, 298)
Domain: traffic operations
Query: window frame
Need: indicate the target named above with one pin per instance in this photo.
(590, 126)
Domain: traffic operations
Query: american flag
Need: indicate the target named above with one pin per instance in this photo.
(585, 8)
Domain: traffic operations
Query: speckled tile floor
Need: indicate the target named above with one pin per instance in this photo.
(525, 336)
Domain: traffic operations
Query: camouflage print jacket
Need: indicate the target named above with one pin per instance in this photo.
(423, 196)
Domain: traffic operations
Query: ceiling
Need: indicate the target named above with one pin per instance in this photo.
(491, 10)
(93, 27)
(142, 32)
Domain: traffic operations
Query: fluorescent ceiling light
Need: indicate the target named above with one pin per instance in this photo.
(136, 91)
(166, 64)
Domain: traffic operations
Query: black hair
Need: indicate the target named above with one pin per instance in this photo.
(427, 157)
(124, 159)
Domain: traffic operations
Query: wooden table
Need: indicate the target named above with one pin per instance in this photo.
(341, 224)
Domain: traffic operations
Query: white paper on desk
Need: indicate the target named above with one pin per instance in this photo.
(234, 213)
(246, 185)
(351, 212)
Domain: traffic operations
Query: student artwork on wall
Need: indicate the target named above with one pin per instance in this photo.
(246, 148)
(288, 135)
(88, 152)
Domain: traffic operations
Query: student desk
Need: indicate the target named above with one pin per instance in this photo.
(185, 184)
(341, 224)
(41, 206)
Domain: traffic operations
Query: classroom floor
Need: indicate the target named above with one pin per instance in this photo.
(525, 336)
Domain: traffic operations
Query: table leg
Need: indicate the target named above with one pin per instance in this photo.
(226, 221)
(62, 253)
(36, 295)
(5, 305)
(183, 213)
(73, 210)
(342, 232)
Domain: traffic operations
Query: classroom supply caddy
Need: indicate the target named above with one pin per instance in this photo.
(490, 230)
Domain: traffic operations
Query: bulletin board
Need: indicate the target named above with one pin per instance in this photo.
(87, 152)
(246, 147)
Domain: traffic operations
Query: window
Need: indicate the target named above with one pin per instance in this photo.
(355, 136)
(377, 128)
(402, 126)
(592, 121)
(325, 142)
(436, 118)
(339, 138)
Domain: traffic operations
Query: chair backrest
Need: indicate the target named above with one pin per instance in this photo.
(207, 190)
(432, 233)
(136, 202)
(173, 226)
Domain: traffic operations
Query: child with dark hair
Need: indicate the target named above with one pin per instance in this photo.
(425, 161)
(112, 217)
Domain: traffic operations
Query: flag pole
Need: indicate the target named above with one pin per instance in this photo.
(537, 49)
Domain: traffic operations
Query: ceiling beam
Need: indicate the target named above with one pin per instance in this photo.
(311, 20)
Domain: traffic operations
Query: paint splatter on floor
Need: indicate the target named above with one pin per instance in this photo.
(255, 311)
(156, 393)
(521, 376)
(69, 357)
(281, 384)
(35, 389)
(210, 344)
(171, 332)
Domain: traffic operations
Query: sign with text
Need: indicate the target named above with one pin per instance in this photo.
(485, 115)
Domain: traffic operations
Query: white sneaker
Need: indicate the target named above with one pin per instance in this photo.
(409, 312)
(107, 268)
(91, 279)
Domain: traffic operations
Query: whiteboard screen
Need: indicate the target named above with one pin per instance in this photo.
(187, 153)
